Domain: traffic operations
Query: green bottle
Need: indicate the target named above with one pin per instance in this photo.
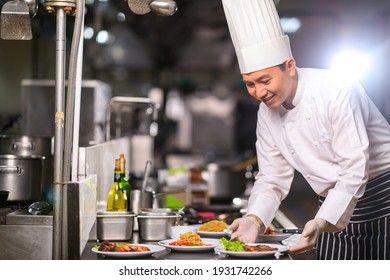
(117, 200)
(126, 187)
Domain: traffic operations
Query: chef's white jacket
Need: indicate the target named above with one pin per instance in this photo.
(335, 137)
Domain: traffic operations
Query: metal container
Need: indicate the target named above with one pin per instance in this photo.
(115, 226)
(160, 211)
(223, 182)
(22, 177)
(156, 227)
(23, 145)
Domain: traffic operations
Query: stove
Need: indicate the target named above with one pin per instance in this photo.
(24, 236)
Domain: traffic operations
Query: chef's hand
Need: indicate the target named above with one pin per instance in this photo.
(245, 229)
(310, 234)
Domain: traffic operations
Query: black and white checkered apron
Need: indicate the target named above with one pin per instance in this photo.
(367, 236)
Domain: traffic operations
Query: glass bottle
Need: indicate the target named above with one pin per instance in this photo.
(126, 187)
(117, 200)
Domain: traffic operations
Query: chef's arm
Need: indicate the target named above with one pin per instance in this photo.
(259, 223)
(310, 234)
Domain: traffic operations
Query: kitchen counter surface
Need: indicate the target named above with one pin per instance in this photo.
(168, 254)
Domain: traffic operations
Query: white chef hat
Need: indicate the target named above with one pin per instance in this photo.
(257, 34)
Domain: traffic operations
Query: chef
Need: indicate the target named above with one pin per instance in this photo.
(320, 124)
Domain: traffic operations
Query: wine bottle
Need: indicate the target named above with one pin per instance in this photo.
(126, 186)
(117, 201)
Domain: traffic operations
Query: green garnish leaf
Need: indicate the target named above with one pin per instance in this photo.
(229, 245)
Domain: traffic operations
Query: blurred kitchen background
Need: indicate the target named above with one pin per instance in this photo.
(186, 64)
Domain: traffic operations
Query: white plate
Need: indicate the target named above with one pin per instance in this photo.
(153, 249)
(214, 243)
(212, 233)
(280, 249)
(275, 237)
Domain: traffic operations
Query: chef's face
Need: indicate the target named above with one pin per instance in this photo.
(275, 86)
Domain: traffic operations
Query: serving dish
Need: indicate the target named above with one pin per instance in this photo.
(152, 249)
(274, 237)
(213, 243)
(215, 234)
(280, 249)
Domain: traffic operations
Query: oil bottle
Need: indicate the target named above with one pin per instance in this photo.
(117, 200)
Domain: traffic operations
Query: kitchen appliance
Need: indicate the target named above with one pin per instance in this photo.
(22, 177)
(224, 182)
(24, 145)
(24, 236)
(95, 96)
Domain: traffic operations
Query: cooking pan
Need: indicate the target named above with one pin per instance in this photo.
(21, 176)
(3, 197)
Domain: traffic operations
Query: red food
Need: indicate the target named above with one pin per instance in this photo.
(107, 246)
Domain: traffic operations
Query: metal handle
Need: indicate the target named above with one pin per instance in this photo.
(23, 146)
(10, 170)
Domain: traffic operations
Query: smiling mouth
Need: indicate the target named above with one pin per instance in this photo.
(267, 99)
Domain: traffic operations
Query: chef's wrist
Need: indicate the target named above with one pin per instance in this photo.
(257, 221)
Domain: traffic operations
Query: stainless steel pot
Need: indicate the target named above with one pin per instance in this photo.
(23, 145)
(145, 200)
(22, 177)
(224, 182)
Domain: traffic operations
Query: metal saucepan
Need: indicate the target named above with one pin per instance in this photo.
(148, 199)
(23, 145)
(22, 177)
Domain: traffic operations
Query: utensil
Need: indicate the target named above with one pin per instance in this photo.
(144, 182)
(286, 230)
(163, 7)
(39, 208)
(228, 232)
(15, 21)
(146, 175)
(139, 7)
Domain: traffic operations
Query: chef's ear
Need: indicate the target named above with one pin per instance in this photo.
(290, 66)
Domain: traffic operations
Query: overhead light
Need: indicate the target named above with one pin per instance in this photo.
(88, 32)
(104, 37)
(351, 63)
(290, 25)
(120, 16)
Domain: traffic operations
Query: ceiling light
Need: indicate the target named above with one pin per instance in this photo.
(290, 25)
(351, 63)
(88, 32)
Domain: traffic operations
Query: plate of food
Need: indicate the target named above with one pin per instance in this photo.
(190, 242)
(272, 235)
(236, 248)
(213, 228)
(126, 250)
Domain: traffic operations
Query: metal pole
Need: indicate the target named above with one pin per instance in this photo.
(72, 120)
(59, 131)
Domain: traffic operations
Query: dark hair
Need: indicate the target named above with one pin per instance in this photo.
(282, 66)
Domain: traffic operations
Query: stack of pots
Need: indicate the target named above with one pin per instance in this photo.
(25, 167)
